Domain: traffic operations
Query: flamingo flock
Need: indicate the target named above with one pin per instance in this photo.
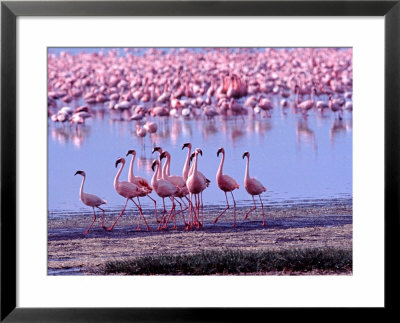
(180, 190)
(142, 84)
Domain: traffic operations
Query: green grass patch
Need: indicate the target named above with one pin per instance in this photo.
(230, 261)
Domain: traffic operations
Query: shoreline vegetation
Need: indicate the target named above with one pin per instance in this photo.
(228, 262)
(298, 240)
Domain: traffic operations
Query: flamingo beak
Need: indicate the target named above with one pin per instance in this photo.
(200, 151)
(162, 155)
(130, 152)
(219, 151)
(245, 154)
(191, 157)
(117, 162)
(78, 172)
(185, 145)
(153, 165)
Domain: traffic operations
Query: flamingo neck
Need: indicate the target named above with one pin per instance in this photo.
(246, 176)
(168, 165)
(116, 180)
(164, 173)
(221, 164)
(81, 190)
(131, 175)
(195, 164)
(186, 167)
(155, 175)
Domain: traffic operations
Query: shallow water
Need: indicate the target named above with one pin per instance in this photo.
(297, 159)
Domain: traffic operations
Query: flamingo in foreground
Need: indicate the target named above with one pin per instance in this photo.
(129, 191)
(163, 189)
(198, 183)
(226, 184)
(253, 187)
(188, 170)
(176, 180)
(90, 200)
(141, 182)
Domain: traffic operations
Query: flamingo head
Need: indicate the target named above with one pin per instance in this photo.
(80, 172)
(119, 160)
(153, 165)
(188, 144)
(159, 149)
(199, 151)
(221, 150)
(164, 154)
(132, 151)
(192, 156)
(246, 154)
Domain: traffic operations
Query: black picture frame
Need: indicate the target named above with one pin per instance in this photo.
(10, 10)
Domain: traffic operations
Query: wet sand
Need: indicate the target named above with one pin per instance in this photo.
(70, 252)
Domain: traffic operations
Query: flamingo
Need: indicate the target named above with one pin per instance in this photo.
(226, 184)
(140, 131)
(129, 191)
(163, 189)
(140, 181)
(150, 127)
(196, 184)
(204, 179)
(90, 200)
(305, 105)
(335, 107)
(253, 187)
(176, 180)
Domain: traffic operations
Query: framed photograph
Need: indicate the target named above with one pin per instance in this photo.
(156, 107)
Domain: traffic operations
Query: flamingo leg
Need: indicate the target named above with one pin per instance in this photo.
(262, 207)
(227, 207)
(102, 217)
(202, 208)
(186, 207)
(140, 207)
(169, 214)
(199, 224)
(155, 207)
(234, 210)
(252, 209)
(196, 213)
(122, 212)
(190, 212)
(141, 215)
(87, 231)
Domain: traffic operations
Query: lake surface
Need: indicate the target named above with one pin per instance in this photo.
(299, 160)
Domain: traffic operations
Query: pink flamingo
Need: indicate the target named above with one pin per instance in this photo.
(176, 180)
(141, 182)
(90, 200)
(163, 189)
(253, 187)
(205, 181)
(127, 190)
(305, 105)
(196, 185)
(226, 184)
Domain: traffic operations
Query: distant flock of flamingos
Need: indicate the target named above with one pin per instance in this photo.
(177, 188)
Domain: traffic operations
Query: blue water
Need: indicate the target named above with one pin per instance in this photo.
(296, 159)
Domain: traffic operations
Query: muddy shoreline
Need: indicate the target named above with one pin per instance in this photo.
(70, 252)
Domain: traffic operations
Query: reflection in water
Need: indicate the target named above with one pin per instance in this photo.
(339, 127)
(305, 134)
(65, 134)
